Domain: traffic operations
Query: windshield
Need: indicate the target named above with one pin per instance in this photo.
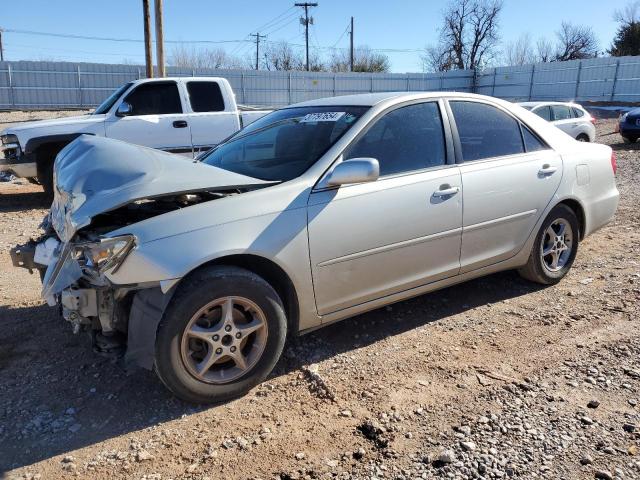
(105, 106)
(284, 144)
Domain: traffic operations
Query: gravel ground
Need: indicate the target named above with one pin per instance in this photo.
(495, 378)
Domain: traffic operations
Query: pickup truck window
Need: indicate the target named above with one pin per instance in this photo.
(205, 97)
(156, 98)
(284, 144)
(105, 106)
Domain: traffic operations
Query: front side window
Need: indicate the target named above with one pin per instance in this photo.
(283, 144)
(543, 112)
(106, 105)
(406, 139)
(485, 131)
(205, 96)
(155, 99)
(561, 112)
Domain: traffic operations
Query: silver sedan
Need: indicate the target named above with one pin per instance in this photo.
(312, 214)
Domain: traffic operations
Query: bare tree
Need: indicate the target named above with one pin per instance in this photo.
(364, 60)
(544, 50)
(282, 56)
(628, 15)
(576, 42)
(520, 51)
(182, 56)
(438, 59)
(469, 35)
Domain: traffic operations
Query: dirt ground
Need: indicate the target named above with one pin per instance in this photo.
(494, 378)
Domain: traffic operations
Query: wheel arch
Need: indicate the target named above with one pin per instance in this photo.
(578, 209)
(271, 272)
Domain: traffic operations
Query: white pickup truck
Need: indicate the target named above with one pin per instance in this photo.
(180, 115)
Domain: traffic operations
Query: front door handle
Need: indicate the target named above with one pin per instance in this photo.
(547, 170)
(180, 124)
(446, 190)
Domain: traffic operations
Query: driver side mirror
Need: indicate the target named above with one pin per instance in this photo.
(355, 170)
(124, 109)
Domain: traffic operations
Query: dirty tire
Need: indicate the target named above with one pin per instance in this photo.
(535, 269)
(45, 174)
(193, 294)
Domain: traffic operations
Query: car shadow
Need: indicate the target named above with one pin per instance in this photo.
(18, 201)
(59, 396)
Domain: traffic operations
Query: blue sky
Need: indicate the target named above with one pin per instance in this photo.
(381, 24)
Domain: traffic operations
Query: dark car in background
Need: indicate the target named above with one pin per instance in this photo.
(630, 125)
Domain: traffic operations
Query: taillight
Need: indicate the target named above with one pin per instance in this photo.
(614, 163)
(593, 120)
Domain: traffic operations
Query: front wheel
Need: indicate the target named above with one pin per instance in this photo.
(221, 335)
(555, 247)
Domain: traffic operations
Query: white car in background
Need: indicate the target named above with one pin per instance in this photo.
(571, 118)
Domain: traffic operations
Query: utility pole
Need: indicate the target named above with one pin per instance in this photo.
(159, 40)
(305, 22)
(148, 59)
(351, 45)
(258, 37)
(1, 48)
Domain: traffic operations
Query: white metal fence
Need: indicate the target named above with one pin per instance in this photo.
(32, 85)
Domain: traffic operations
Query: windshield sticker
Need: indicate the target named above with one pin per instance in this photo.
(322, 117)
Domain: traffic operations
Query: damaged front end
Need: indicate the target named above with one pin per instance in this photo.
(101, 186)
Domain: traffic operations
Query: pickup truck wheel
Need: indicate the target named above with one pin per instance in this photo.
(221, 335)
(555, 247)
(44, 168)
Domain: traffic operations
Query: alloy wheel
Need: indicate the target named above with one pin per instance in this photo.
(556, 245)
(224, 340)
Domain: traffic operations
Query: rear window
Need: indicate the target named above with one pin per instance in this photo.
(561, 112)
(205, 97)
(577, 113)
(485, 131)
(543, 112)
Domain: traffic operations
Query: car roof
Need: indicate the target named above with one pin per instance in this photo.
(537, 104)
(371, 99)
(177, 79)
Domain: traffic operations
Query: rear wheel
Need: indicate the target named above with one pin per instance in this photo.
(630, 138)
(221, 335)
(555, 247)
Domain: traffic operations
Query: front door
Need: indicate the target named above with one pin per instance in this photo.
(509, 177)
(374, 239)
(156, 119)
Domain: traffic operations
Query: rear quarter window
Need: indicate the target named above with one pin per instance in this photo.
(205, 96)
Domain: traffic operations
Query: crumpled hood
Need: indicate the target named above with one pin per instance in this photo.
(94, 175)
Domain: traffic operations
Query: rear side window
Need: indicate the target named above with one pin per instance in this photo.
(561, 112)
(406, 139)
(531, 142)
(205, 97)
(485, 131)
(577, 113)
(155, 99)
(544, 112)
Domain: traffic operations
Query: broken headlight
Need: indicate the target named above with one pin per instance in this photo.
(107, 253)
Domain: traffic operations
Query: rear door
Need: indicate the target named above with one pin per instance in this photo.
(374, 239)
(157, 118)
(509, 176)
(563, 119)
(211, 119)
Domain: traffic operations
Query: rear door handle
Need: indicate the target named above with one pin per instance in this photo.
(547, 170)
(180, 124)
(445, 191)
